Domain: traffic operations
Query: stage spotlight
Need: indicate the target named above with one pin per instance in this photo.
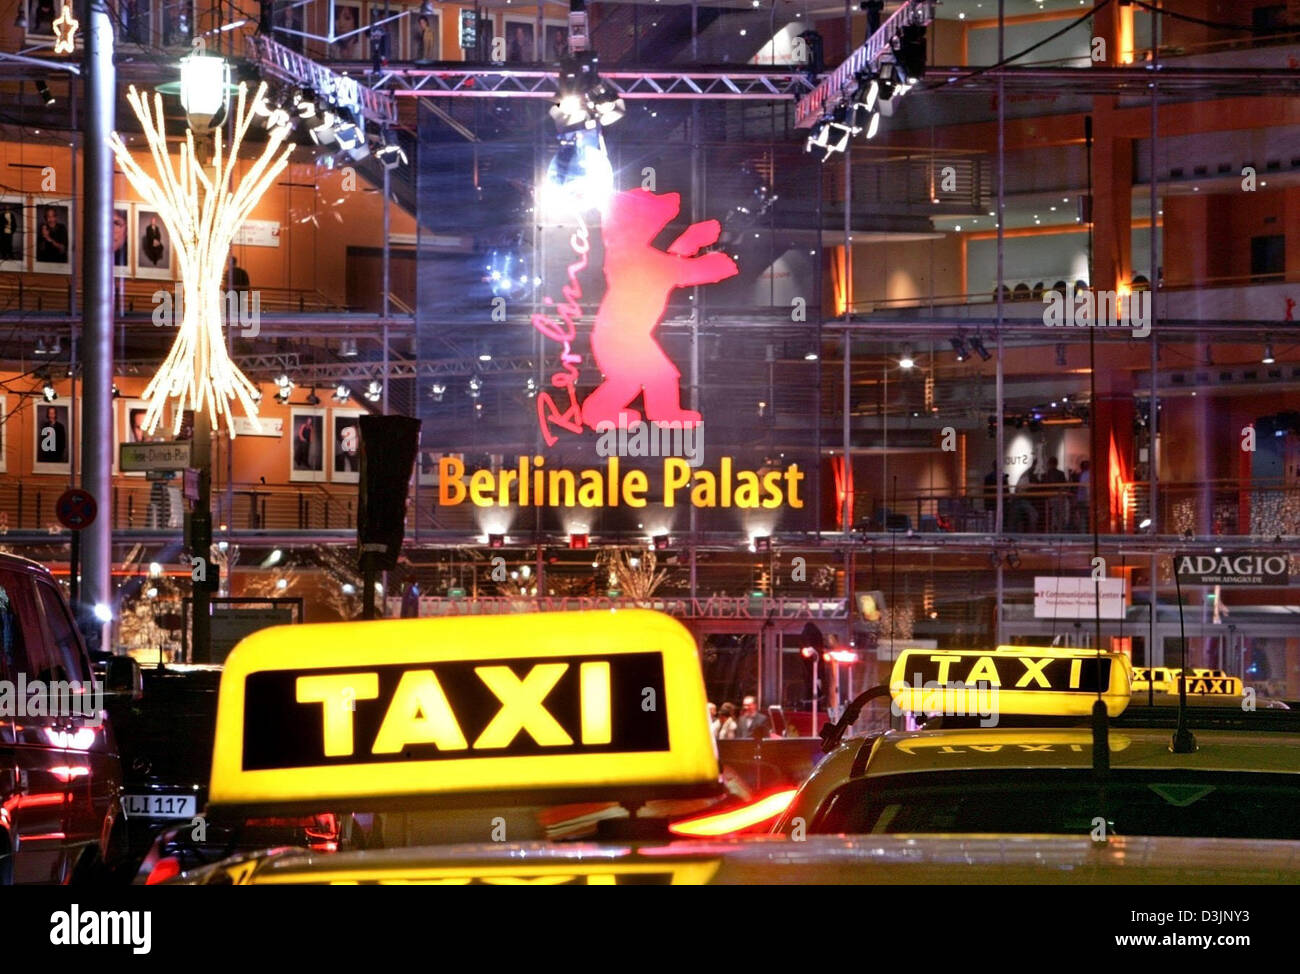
(312, 398)
(49, 392)
(661, 542)
(580, 175)
(342, 393)
(43, 90)
(496, 540)
(1268, 358)
(1013, 560)
(475, 386)
(348, 347)
(762, 543)
(437, 391)
(374, 390)
(582, 99)
(959, 347)
(906, 361)
(977, 346)
(284, 388)
(389, 152)
(304, 103)
(577, 541)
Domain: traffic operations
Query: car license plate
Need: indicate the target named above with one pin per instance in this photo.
(159, 806)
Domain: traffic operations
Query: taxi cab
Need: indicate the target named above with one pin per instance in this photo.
(574, 748)
(1079, 744)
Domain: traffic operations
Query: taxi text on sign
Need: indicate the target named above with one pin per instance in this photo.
(533, 704)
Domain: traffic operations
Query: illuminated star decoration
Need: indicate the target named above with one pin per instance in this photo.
(201, 211)
(65, 31)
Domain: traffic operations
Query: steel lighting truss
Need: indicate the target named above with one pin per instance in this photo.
(277, 61)
(739, 84)
(865, 60)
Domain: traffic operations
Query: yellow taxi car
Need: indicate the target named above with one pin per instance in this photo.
(477, 742)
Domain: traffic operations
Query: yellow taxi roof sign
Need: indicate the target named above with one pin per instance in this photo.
(1200, 681)
(1019, 680)
(542, 707)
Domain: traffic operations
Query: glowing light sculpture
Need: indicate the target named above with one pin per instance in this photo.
(202, 211)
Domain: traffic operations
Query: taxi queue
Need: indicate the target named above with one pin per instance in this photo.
(574, 748)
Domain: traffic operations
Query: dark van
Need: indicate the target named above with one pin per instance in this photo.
(59, 773)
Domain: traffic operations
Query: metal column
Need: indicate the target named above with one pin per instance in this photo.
(97, 270)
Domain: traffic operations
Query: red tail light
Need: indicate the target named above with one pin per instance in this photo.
(734, 820)
(169, 867)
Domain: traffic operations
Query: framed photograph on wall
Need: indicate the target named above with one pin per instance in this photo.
(345, 445)
(519, 36)
(555, 41)
(13, 233)
(40, 18)
(426, 37)
(177, 22)
(393, 30)
(347, 20)
(307, 444)
(52, 236)
(153, 246)
(130, 426)
(121, 239)
(52, 436)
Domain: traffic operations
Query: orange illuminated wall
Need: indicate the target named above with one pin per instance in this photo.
(320, 214)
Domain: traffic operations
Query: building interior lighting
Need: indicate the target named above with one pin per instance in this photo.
(583, 100)
(580, 176)
(283, 389)
(906, 361)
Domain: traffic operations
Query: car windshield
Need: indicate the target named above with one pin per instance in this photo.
(1156, 803)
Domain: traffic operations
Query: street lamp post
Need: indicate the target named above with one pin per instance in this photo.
(202, 207)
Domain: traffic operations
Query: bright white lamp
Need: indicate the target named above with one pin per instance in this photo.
(205, 82)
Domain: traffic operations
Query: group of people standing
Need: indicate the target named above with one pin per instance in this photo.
(747, 723)
(1052, 501)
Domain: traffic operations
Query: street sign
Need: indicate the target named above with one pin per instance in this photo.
(144, 457)
(76, 509)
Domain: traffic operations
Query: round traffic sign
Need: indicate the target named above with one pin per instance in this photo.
(76, 509)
